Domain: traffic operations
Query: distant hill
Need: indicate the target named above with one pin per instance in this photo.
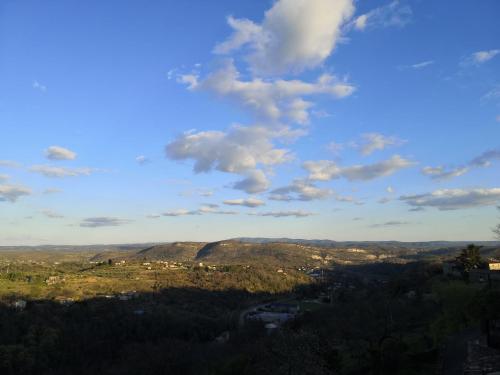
(284, 252)
(280, 253)
(422, 245)
(176, 251)
(227, 252)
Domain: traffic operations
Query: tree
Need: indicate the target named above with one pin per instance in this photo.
(470, 257)
(496, 230)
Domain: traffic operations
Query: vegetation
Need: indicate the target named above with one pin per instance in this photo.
(496, 230)
(470, 258)
(136, 315)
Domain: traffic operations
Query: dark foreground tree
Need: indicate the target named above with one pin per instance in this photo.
(470, 257)
(496, 230)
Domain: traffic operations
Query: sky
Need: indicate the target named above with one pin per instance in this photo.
(132, 121)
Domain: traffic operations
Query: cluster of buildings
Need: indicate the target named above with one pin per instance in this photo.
(164, 265)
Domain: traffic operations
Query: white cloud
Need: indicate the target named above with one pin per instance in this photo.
(389, 189)
(422, 64)
(294, 35)
(377, 142)
(441, 173)
(254, 182)
(301, 190)
(324, 170)
(483, 56)
(361, 22)
(454, 199)
(384, 200)
(59, 172)
(248, 202)
(392, 14)
(269, 100)
(12, 193)
(4, 177)
(245, 31)
(59, 153)
(97, 222)
(38, 86)
(142, 160)
(240, 149)
(295, 213)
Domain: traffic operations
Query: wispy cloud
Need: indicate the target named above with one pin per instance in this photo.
(481, 161)
(52, 191)
(384, 200)
(325, 170)
(10, 164)
(103, 221)
(480, 57)
(248, 202)
(390, 224)
(442, 173)
(59, 172)
(142, 160)
(393, 14)
(297, 213)
(51, 214)
(59, 153)
(204, 209)
(38, 86)
(210, 209)
(421, 65)
(180, 212)
(454, 199)
(12, 193)
(301, 190)
(372, 142)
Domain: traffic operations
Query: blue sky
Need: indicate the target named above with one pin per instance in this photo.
(126, 121)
